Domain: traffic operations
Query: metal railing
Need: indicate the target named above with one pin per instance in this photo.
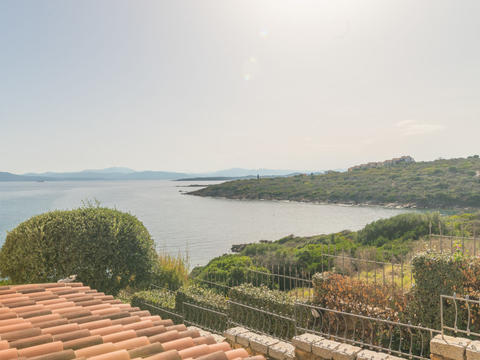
(394, 274)
(460, 315)
(165, 313)
(467, 245)
(260, 320)
(374, 333)
(400, 339)
(298, 282)
(205, 318)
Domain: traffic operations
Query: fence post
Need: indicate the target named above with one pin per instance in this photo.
(474, 241)
(430, 233)
(401, 273)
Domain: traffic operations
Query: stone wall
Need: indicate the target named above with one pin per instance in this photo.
(313, 347)
(302, 347)
(258, 344)
(443, 347)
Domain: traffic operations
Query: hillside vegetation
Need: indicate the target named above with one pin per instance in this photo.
(453, 183)
(387, 240)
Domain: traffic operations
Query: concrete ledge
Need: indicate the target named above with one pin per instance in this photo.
(231, 334)
(473, 350)
(325, 348)
(244, 338)
(305, 341)
(282, 351)
(261, 343)
(449, 347)
(346, 352)
(313, 347)
(372, 355)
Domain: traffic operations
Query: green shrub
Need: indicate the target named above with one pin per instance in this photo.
(107, 249)
(404, 227)
(197, 295)
(278, 310)
(440, 274)
(230, 270)
(202, 307)
(158, 302)
(158, 297)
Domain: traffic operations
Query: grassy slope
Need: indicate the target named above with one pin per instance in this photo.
(434, 184)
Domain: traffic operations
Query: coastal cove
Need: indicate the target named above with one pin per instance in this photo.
(204, 227)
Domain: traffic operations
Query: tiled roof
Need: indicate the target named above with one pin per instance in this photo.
(64, 321)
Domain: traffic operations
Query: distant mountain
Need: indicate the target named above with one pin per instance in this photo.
(87, 175)
(154, 175)
(122, 173)
(239, 172)
(6, 176)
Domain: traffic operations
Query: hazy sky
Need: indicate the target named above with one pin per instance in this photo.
(203, 85)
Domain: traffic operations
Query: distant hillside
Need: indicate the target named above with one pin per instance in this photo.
(433, 184)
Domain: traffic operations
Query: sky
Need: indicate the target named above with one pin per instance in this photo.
(204, 85)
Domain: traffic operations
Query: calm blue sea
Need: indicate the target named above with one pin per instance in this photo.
(203, 227)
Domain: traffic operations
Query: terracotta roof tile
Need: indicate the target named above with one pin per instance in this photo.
(67, 321)
(146, 350)
(59, 355)
(31, 341)
(114, 355)
(42, 349)
(72, 335)
(107, 330)
(21, 334)
(96, 350)
(166, 355)
(8, 354)
(218, 355)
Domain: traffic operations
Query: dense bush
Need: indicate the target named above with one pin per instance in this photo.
(158, 297)
(343, 293)
(442, 274)
(230, 270)
(404, 227)
(197, 295)
(107, 249)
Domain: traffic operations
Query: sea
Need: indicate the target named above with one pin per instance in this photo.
(199, 228)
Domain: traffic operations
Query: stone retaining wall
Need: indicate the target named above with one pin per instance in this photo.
(443, 347)
(313, 347)
(257, 344)
(302, 347)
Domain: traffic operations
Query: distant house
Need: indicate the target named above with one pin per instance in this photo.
(386, 163)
